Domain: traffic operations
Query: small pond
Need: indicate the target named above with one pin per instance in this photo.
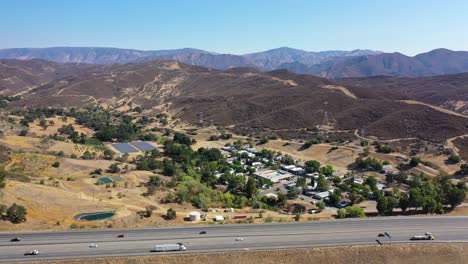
(94, 216)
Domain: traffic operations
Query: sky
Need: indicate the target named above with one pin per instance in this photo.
(237, 27)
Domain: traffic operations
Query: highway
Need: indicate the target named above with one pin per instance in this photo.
(75, 244)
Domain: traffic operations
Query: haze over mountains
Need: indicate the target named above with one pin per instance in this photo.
(329, 64)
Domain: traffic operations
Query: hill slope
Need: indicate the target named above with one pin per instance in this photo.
(250, 101)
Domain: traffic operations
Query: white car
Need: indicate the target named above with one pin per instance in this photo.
(34, 252)
(93, 246)
(239, 239)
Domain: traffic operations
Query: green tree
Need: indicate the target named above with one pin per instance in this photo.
(312, 166)
(384, 206)
(297, 217)
(454, 158)
(327, 170)
(182, 139)
(323, 184)
(171, 214)
(16, 214)
(414, 161)
(341, 213)
(113, 168)
(334, 199)
(293, 193)
(355, 211)
(251, 187)
(321, 205)
(403, 202)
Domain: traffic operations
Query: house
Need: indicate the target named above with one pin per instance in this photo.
(272, 175)
(322, 195)
(271, 195)
(389, 169)
(297, 170)
(358, 180)
(229, 149)
(257, 164)
(314, 175)
(287, 167)
(251, 150)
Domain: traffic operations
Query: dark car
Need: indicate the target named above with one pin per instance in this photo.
(202, 233)
(120, 236)
(16, 239)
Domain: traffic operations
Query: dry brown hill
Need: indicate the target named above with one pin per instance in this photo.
(246, 99)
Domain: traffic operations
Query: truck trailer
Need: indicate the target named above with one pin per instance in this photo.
(169, 247)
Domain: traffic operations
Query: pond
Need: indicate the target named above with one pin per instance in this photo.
(94, 216)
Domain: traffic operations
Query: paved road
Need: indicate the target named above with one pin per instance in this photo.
(75, 244)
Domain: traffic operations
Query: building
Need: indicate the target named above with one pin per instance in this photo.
(389, 169)
(111, 180)
(272, 175)
(257, 164)
(322, 195)
(194, 216)
(314, 175)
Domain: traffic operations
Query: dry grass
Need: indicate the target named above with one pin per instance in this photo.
(58, 123)
(32, 163)
(390, 254)
(20, 142)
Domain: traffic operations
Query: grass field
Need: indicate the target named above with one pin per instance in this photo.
(452, 253)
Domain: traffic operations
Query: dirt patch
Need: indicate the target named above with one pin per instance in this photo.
(389, 254)
(340, 88)
(440, 109)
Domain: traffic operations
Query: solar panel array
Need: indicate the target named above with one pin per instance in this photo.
(124, 147)
(143, 146)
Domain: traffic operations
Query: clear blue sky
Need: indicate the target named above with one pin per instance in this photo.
(237, 26)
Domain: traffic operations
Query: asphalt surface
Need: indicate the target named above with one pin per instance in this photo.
(75, 244)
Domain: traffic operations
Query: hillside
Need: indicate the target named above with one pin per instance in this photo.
(249, 101)
(446, 91)
(17, 76)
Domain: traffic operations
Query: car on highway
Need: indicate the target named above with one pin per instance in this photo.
(93, 245)
(202, 233)
(16, 239)
(34, 252)
(120, 236)
(426, 236)
(239, 239)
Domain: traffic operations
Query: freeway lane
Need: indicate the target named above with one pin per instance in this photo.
(75, 244)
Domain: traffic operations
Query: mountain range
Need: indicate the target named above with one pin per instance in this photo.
(328, 64)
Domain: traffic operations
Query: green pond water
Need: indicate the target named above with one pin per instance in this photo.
(95, 216)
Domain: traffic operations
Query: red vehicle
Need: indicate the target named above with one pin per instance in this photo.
(120, 236)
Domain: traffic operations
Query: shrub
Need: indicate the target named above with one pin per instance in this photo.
(56, 164)
(171, 214)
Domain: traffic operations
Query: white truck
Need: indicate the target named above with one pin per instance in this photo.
(426, 236)
(169, 247)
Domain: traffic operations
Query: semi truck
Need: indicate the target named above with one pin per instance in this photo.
(169, 247)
